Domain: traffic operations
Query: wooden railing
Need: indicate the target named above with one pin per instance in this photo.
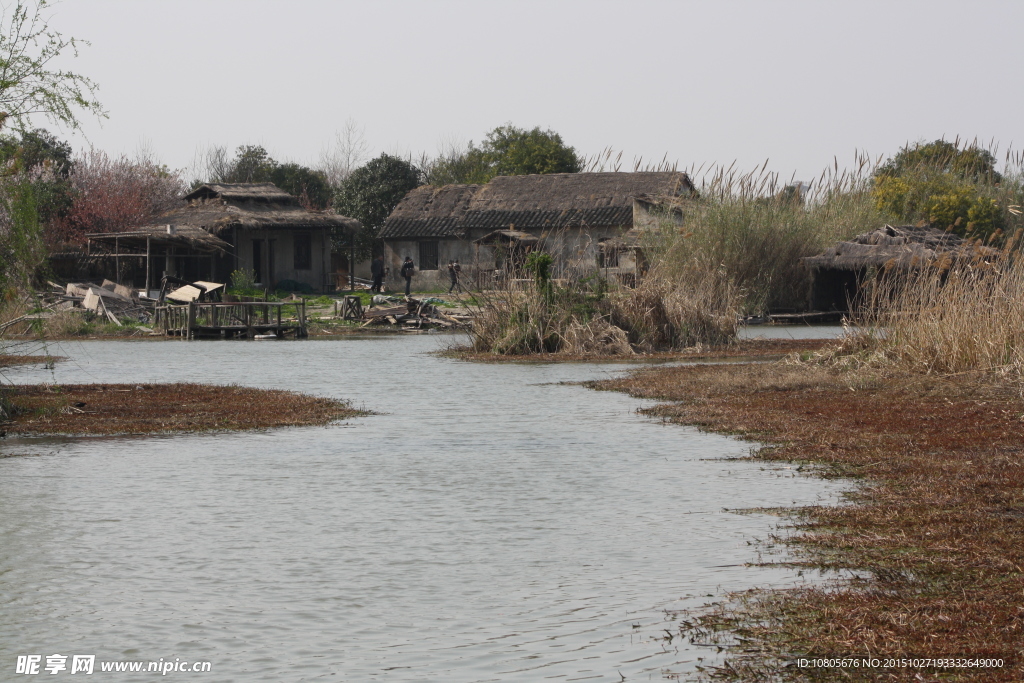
(231, 319)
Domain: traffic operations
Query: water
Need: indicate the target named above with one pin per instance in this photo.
(791, 331)
(487, 525)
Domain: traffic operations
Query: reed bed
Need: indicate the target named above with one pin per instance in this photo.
(946, 318)
(582, 314)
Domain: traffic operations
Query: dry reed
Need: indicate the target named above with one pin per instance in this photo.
(944, 318)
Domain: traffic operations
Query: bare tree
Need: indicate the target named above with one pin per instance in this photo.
(210, 165)
(346, 153)
(29, 85)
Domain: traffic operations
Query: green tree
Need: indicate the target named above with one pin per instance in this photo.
(310, 186)
(371, 192)
(944, 184)
(38, 157)
(29, 86)
(970, 163)
(507, 150)
(253, 164)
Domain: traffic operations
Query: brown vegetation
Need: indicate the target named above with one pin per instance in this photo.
(762, 349)
(938, 525)
(8, 360)
(150, 408)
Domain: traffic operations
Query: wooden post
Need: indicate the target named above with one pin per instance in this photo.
(191, 319)
(117, 262)
(302, 318)
(147, 265)
(279, 307)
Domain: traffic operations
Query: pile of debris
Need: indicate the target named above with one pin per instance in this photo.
(413, 314)
(116, 303)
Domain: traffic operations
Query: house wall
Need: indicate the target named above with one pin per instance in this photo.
(283, 254)
(395, 252)
(575, 251)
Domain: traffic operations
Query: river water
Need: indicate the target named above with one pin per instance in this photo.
(489, 523)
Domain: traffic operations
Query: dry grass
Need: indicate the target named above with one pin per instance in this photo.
(944, 319)
(761, 349)
(95, 409)
(938, 523)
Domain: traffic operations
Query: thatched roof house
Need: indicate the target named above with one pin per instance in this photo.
(223, 207)
(220, 228)
(430, 212)
(576, 210)
(269, 231)
(837, 274)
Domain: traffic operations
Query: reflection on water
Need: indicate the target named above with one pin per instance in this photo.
(487, 525)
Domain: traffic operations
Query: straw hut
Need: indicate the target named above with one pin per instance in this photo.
(839, 274)
(267, 229)
(566, 214)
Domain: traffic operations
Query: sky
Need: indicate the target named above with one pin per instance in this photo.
(802, 85)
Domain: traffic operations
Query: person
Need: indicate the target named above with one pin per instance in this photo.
(377, 271)
(408, 268)
(453, 272)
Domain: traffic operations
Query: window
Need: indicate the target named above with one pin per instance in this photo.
(428, 255)
(303, 251)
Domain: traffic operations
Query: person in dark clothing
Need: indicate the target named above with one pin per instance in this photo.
(377, 271)
(408, 268)
(453, 272)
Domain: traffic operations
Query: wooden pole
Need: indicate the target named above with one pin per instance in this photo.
(147, 265)
(188, 321)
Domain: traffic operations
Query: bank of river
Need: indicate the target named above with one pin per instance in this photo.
(490, 523)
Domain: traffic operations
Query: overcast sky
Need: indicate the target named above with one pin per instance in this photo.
(796, 83)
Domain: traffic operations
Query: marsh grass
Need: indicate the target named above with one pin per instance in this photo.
(935, 531)
(946, 318)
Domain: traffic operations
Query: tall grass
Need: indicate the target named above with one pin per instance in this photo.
(582, 314)
(756, 228)
(947, 318)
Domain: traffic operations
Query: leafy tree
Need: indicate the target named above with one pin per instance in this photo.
(38, 157)
(253, 164)
(310, 186)
(29, 86)
(943, 184)
(371, 192)
(507, 150)
(970, 163)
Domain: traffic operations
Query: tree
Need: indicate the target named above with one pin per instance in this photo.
(39, 158)
(371, 192)
(28, 85)
(114, 195)
(945, 184)
(253, 164)
(970, 163)
(507, 150)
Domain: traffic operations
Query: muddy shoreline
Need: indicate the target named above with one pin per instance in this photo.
(936, 524)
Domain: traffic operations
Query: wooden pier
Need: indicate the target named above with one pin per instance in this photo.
(232, 320)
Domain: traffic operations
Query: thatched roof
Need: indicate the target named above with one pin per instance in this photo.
(905, 245)
(430, 211)
(568, 199)
(531, 202)
(190, 237)
(507, 237)
(264, 192)
(219, 207)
